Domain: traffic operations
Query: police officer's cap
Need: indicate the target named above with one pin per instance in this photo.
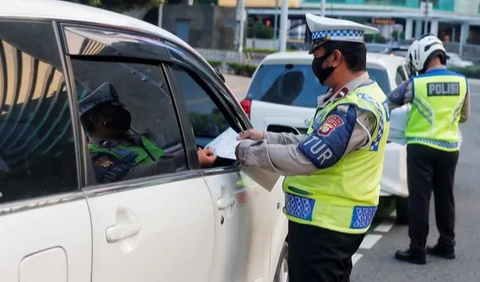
(323, 29)
(104, 93)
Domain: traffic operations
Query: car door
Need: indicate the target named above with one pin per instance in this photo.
(245, 213)
(155, 227)
(45, 231)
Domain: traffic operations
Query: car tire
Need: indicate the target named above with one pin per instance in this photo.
(281, 274)
(403, 210)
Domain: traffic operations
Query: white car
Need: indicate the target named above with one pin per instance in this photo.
(454, 60)
(282, 97)
(58, 222)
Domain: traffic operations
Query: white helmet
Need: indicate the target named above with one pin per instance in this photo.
(422, 51)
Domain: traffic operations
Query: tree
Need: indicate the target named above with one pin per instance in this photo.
(395, 34)
(257, 29)
(120, 5)
(375, 38)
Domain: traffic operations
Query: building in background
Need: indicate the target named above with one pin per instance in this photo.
(202, 26)
(210, 26)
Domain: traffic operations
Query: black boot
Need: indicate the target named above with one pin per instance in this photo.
(415, 257)
(442, 251)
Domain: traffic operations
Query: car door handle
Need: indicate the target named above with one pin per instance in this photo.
(224, 203)
(118, 232)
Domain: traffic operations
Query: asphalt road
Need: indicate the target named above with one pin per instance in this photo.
(377, 263)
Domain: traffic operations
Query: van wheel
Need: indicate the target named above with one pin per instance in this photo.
(281, 275)
(403, 210)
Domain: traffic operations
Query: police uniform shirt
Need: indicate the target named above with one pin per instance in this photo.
(404, 95)
(279, 152)
(108, 168)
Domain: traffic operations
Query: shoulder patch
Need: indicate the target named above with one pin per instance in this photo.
(331, 123)
(104, 162)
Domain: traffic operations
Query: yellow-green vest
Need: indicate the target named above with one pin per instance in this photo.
(344, 197)
(143, 153)
(436, 109)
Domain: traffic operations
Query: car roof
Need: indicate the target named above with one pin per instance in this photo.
(302, 57)
(67, 11)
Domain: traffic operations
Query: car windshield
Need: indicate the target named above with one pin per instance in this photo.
(296, 85)
(401, 53)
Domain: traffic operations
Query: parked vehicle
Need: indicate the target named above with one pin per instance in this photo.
(58, 223)
(282, 97)
(454, 60)
(400, 51)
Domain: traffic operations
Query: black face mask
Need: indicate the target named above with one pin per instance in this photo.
(117, 118)
(317, 67)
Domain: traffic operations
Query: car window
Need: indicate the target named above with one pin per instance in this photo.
(37, 152)
(400, 53)
(400, 75)
(296, 85)
(208, 121)
(381, 77)
(185, 59)
(129, 118)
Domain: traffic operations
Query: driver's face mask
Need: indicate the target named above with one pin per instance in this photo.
(116, 117)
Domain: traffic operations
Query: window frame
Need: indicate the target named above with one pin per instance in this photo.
(81, 138)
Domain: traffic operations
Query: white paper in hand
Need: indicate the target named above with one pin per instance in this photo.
(224, 145)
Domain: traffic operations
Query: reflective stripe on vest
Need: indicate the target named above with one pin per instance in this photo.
(436, 109)
(122, 152)
(343, 197)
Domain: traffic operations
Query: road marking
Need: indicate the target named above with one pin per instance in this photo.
(369, 241)
(384, 227)
(356, 258)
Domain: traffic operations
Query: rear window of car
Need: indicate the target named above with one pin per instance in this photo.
(381, 77)
(401, 53)
(296, 85)
(286, 84)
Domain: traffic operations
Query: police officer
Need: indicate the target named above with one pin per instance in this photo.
(439, 101)
(116, 151)
(333, 172)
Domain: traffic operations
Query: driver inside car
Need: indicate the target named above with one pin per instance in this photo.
(119, 153)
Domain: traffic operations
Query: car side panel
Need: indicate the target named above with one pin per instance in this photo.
(54, 228)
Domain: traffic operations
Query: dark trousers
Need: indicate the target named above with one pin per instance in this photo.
(319, 255)
(431, 170)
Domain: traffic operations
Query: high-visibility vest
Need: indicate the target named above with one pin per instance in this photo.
(142, 154)
(436, 109)
(344, 197)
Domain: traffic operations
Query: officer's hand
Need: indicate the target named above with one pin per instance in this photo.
(206, 157)
(252, 134)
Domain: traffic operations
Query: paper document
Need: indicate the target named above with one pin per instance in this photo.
(224, 145)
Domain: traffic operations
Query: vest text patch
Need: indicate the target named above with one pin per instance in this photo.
(443, 89)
